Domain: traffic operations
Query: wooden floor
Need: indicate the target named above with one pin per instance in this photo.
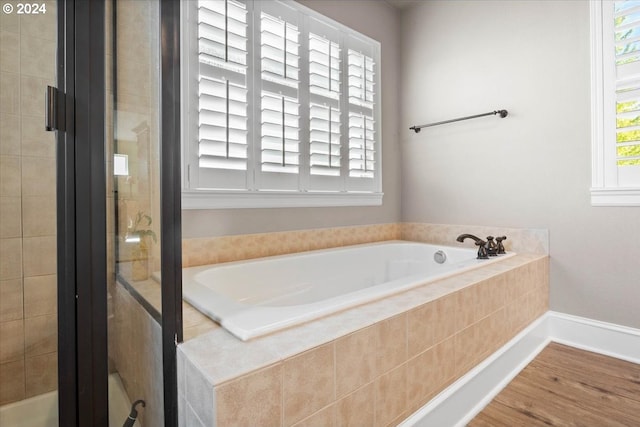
(564, 386)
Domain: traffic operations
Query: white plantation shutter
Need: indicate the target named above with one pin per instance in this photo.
(279, 37)
(363, 147)
(280, 152)
(324, 66)
(362, 151)
(324, 140)
(325, 102)
(280, 100)
(361, 77)
(222, 125)
(627, 92)
(222, 94)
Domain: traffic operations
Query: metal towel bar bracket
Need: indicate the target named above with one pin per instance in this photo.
(502, 113)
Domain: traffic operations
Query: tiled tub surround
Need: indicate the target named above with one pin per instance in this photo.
(213, 250)
(371, 365)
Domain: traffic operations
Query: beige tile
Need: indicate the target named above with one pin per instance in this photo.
(42, 25)
(32, 95)
(356, 359)
(357, 409)
(35, 140)
(12, 338)
(325, 417)
(38, 176)
(9, 135)
(490, 296)
(252, 400)
(518, 282)
(10, 300)
(399, 419)
(40, 295)
(39, 256)
(430, 372)
(467, 345)
(431, 323)
(518, 314)
(9, 93)
(41, 374)
(391, 343)
(40, 335)
(39, 216)
(390, 395)
(308, 383)
(465, 307)
(498, 333)
(12, 386)
(472, 345)
(9, 51)
(10, 176)
(10, 258)
(10, 217)
(37, 57)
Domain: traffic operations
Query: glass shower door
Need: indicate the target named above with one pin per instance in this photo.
(133, 209)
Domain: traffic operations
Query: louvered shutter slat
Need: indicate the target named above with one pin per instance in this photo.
(324, 116)
(362, 148)
(324, 138)
(279, 114)
(223, 105)
(362, 145)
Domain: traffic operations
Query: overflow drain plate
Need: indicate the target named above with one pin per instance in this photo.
(440, 257)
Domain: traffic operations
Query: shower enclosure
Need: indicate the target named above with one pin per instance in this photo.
(89, 213)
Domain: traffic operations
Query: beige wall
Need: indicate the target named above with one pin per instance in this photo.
(28, 326)
(531, 169)
(382, 24)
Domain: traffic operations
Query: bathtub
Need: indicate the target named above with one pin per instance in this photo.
(257, 297)
(42, 410)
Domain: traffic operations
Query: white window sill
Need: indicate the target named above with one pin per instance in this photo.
(615, 196)
(208, 199)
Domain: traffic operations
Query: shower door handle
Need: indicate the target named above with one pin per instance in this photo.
(51, 109)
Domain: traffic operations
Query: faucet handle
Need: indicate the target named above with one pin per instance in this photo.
(492, 247)
(482, 250)
(500, 247)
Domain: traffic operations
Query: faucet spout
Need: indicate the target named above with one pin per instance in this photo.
(482, 251)
(463, 237)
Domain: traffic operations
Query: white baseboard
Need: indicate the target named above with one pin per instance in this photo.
(465, 398)
(609, 339)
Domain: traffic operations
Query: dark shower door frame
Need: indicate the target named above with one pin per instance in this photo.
(81, 212)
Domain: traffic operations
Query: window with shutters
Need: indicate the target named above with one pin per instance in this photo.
(281, 108)
(615, 58)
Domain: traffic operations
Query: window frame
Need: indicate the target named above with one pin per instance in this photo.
(194, 198)
(605, 189)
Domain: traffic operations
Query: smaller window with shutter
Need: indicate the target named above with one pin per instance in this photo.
(615, 37)
(282, 107)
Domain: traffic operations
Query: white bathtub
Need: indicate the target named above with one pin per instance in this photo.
(253, 298)
(42, 410)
